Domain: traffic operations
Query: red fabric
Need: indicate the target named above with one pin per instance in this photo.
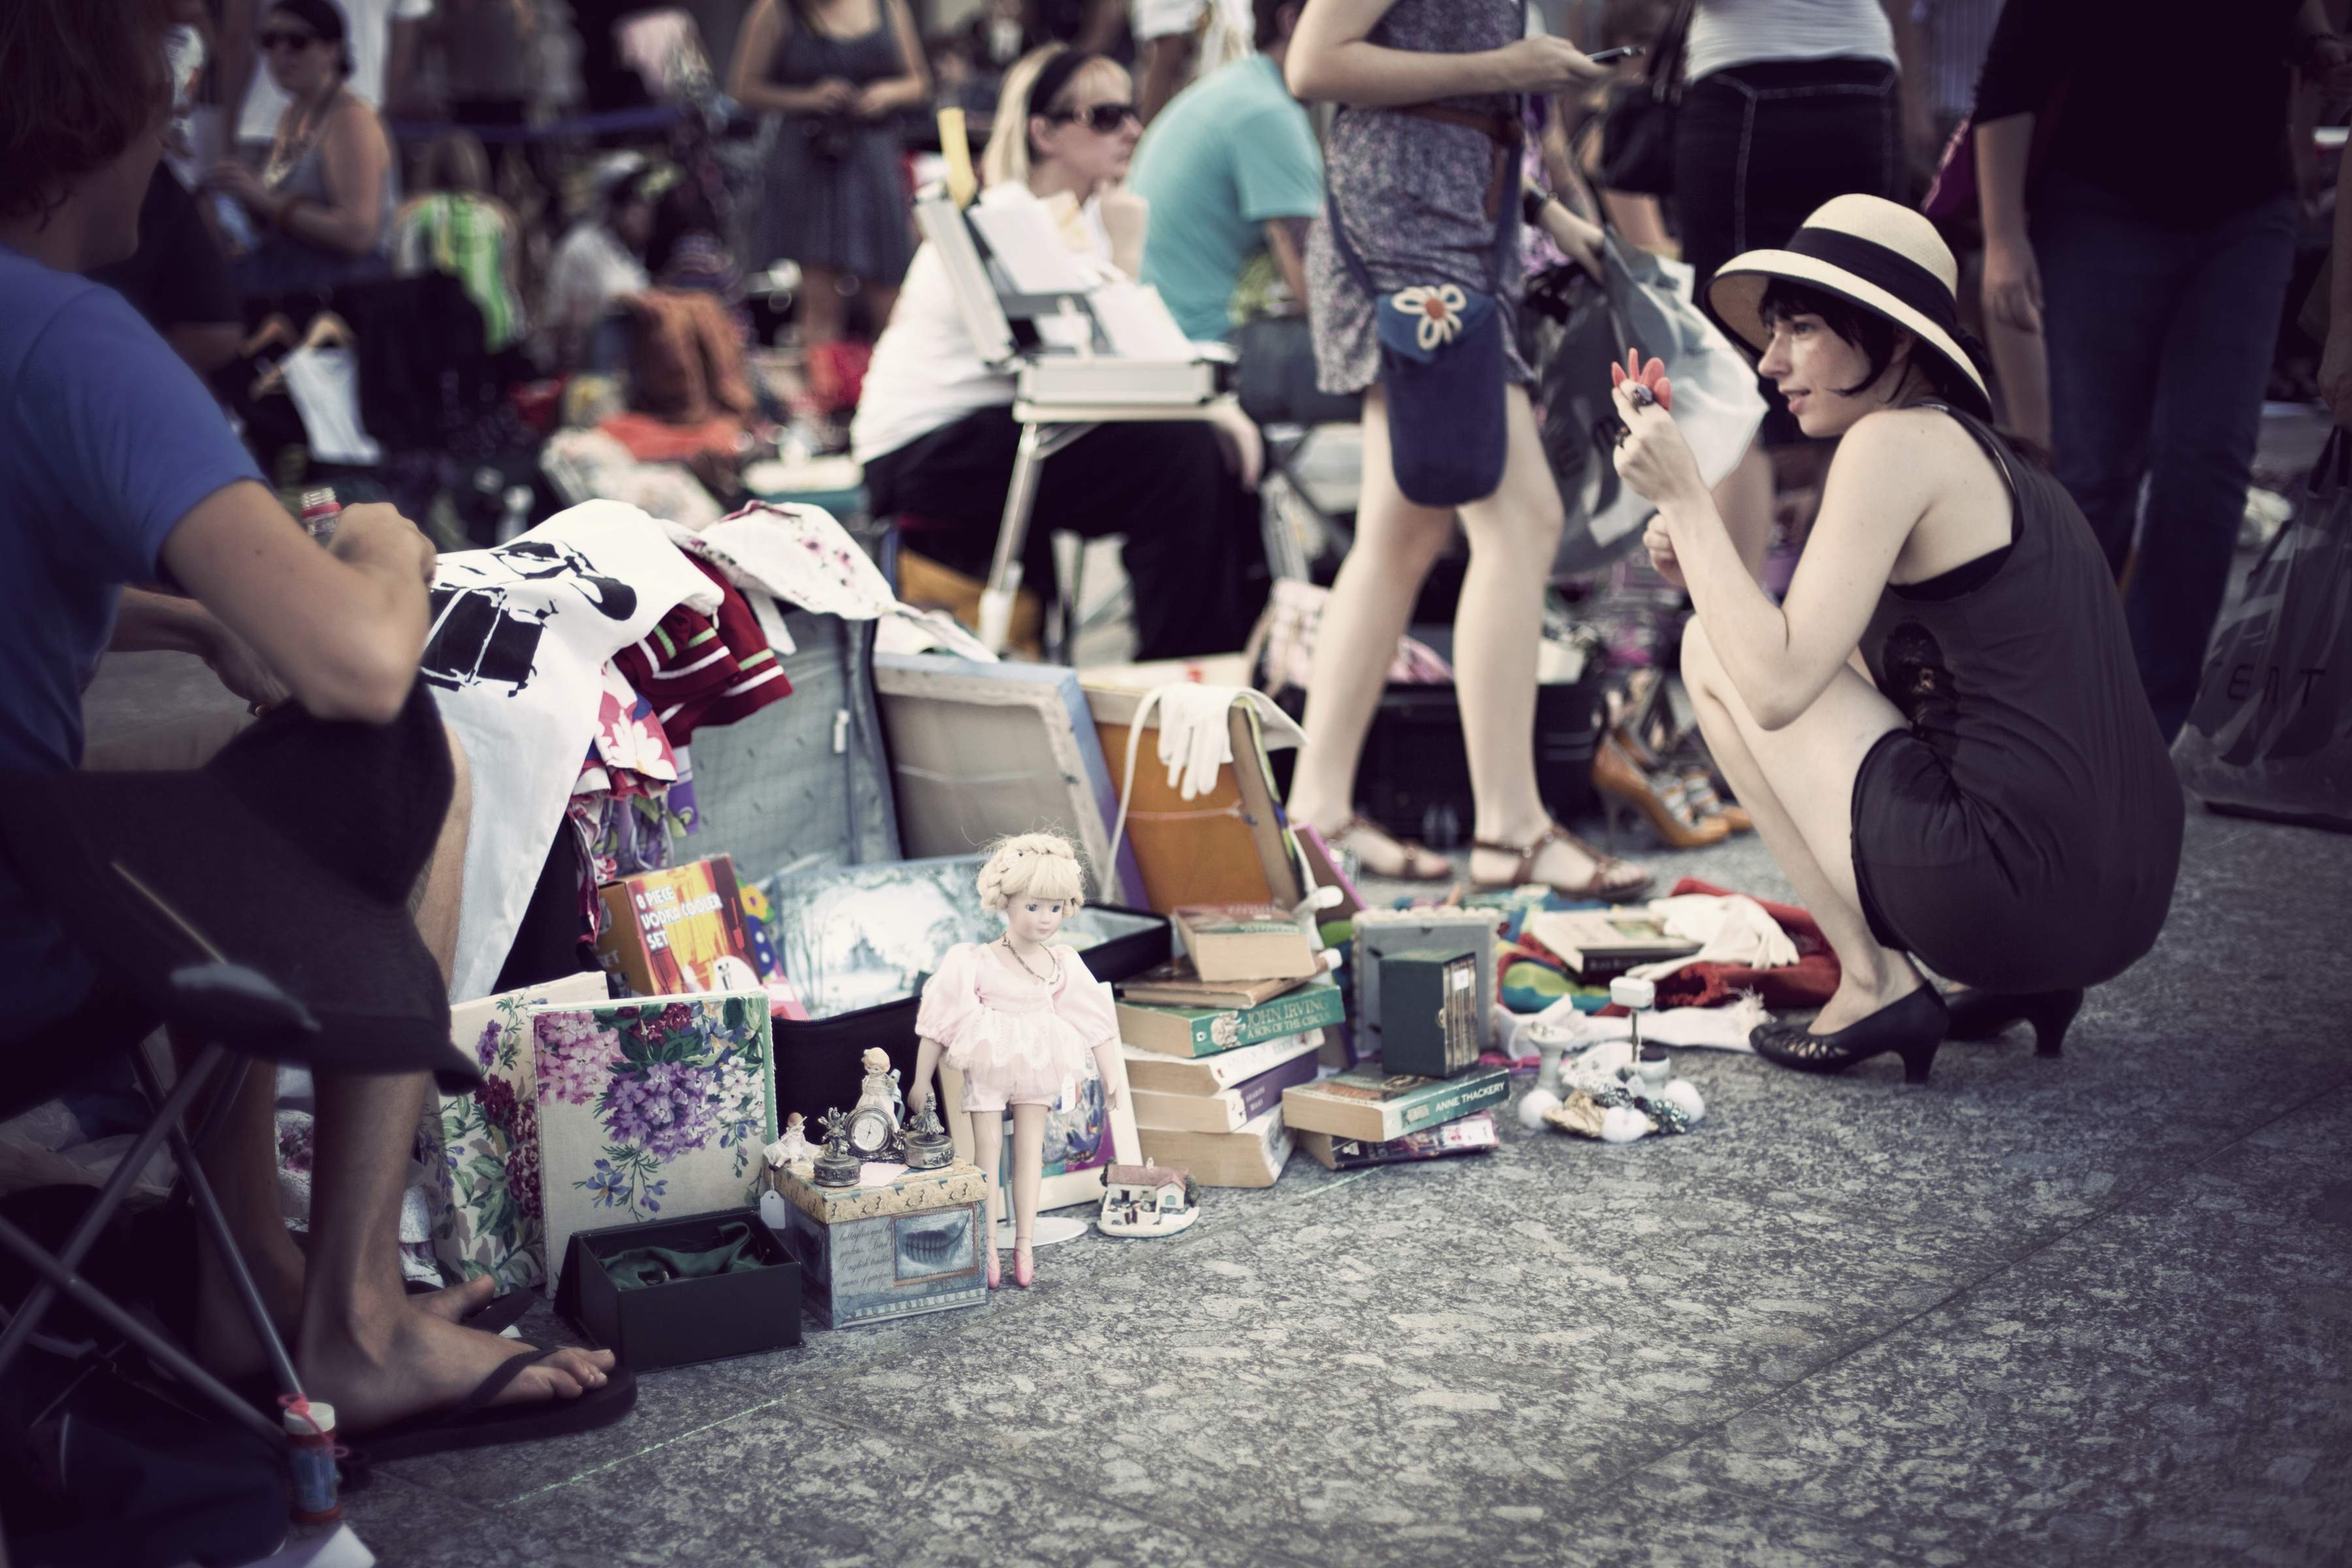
(650, 440)
(693, 678)
(1809, 982)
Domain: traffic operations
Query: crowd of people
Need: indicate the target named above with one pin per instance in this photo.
(1949, 727)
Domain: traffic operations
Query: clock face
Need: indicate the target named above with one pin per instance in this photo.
(869, 1132)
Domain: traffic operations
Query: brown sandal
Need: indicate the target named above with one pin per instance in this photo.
(1596, 886)
(1412, 850)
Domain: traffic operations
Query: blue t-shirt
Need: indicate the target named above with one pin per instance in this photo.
(1229, 153)
(107, 440)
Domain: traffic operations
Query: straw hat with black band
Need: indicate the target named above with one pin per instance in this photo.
(1873, 254)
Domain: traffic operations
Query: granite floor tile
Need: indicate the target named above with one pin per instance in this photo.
(2170, 1379)
(789, 1490)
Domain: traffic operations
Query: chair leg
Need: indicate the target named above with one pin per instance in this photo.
(216, 1224)
(170, 1110)
(57, 1278)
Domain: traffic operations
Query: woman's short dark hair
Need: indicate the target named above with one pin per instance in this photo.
(79, 81)
(1866, 330)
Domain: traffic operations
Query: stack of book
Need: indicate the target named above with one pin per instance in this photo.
(1369, 1117)
(1208, 1063)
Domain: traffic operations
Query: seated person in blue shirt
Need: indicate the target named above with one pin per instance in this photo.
(116, 468)
(1231, 169)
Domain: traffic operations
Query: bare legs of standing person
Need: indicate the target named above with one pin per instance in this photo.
(1513, 534)
(1797, 783)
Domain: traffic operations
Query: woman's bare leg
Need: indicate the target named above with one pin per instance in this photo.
(1796, 782)
(1514, 536)
(1396, 543)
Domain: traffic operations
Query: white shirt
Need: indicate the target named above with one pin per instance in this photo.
(925, 373)
(1727, 33)
(367, 33)
(1225, 30)
(590, 268)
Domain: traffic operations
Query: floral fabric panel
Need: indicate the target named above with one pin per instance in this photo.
(479, 1151)
(800, 554)
(656, 1106)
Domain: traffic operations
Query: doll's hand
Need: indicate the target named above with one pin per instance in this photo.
(1114, 1096)
(918, 1098)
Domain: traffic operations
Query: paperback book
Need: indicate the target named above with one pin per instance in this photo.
(1473, 1134)
(1205, 1031)
(1250, 941)
(1150, 1072)
(1176, 984)
(1251, 1157)
(1600, 944)
(1379, 1106)
(1228, 1109)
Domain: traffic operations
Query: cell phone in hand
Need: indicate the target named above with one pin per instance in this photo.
(1622, 52)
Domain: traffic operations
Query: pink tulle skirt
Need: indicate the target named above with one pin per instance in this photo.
(1027, 1057)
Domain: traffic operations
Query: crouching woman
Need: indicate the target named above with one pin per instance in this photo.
(1940, 733)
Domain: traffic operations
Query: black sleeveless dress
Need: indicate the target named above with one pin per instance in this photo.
(2024, 832)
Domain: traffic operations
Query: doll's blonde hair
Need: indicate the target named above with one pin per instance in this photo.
(1032, 866)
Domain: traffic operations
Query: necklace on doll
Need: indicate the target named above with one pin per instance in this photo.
(1041, 979)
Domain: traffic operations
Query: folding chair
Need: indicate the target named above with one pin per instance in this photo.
(226, 1008)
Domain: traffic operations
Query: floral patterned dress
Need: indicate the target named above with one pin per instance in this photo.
(1412, 192)
(1016, 1039)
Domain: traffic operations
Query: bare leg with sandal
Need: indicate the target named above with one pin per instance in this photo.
(1513, 534)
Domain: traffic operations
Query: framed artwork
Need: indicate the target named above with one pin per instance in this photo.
(659, 1105)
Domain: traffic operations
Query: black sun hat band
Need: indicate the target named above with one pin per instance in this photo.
(1874, 263)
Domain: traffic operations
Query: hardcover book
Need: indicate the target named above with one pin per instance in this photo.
(1227, 1109)
(1600, 944)
(1251, 1157)
(1205, 1031)
(1150, 1072)
(1377, 1106)
(1250, 941)
(1473, 1134)
(1176, 984)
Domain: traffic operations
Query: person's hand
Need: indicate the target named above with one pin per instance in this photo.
(1244, 448)
(1652, 456)
(1545, 65)
(2013, 285)
(2335, 372)
(1663, 559)
(373, 532)
(868, 103)
(240, 183)
(232, 659)
(835, 95)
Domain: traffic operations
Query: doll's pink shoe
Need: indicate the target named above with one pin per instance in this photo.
(1024, 1269)
(996, 1269)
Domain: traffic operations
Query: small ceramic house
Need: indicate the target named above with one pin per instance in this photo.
(1148, 1200)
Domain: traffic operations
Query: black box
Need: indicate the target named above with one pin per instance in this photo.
(819, 1065)
(686, 1320)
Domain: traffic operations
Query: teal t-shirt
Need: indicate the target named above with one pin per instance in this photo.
(1227, 154)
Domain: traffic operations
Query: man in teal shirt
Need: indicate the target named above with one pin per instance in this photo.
(1230, 168)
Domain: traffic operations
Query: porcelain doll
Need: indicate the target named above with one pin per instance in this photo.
(790, 1152)
(1023, 1022)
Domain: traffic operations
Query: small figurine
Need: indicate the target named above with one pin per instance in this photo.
(1022, 1021)
(929, 1147)
(838, 1166)
(874, 1121)
(1148, 1200)
(792, 1151)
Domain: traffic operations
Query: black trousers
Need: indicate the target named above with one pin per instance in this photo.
(1191, 543)
(1759, 147)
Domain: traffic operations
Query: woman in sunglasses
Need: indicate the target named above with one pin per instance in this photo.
(935, 427)
(322, 205)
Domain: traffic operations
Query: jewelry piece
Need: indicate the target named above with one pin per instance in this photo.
(1041, 979)
(1641, 395)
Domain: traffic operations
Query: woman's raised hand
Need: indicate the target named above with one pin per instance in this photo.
(1651, 456)
(1545, 65)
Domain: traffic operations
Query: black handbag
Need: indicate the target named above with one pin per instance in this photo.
(1637, 124)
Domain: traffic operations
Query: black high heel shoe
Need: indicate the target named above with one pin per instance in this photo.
(1981, 1015)
(1912, 1028)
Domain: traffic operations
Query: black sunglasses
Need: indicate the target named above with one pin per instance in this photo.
(286, 39)
(1103, 119)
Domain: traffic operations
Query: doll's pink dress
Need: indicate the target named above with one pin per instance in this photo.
(1017, 1040)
